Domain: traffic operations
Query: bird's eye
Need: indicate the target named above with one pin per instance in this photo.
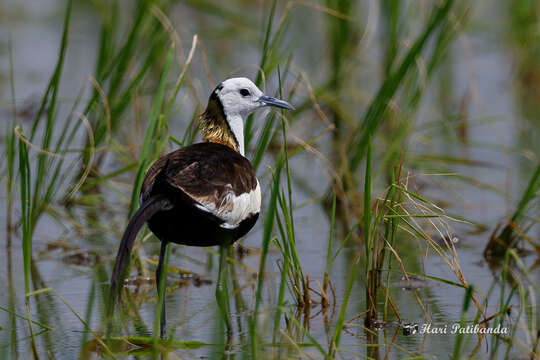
(244, 92)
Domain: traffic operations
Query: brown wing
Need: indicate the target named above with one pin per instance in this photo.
(213, 175)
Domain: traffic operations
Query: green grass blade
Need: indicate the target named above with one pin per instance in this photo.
(378, 106)
(459, 338)
(149, 150)
(26, 209)
(268, 226)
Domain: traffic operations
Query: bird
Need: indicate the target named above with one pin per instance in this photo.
(205, 194)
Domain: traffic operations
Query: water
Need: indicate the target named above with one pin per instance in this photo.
(482, 68)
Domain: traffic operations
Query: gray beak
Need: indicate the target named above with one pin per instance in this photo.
(270, 101)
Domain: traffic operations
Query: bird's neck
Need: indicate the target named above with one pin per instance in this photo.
(236, 127)
(219, 127)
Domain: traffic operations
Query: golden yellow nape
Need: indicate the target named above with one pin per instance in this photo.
(214, 127)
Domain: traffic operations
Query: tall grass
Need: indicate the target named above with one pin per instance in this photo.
(372, 118)
(267, 45)
(114, 65)
(510, 234)
(268, 226)
(151, 147)
(371, 252)
(34, 200)
(10, 149)
(46, 180)
(459, 337)
(26, 221)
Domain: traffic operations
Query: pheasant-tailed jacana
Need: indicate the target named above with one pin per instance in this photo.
(205, 194)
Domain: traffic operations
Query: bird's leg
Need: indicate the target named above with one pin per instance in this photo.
(222, 293)
(160, 285)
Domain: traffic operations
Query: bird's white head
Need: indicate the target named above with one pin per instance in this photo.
(233, 100)
(240, 96)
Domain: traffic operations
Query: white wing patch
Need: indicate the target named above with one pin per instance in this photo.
(233, 209)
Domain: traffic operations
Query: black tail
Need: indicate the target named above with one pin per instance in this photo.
(151, 206)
